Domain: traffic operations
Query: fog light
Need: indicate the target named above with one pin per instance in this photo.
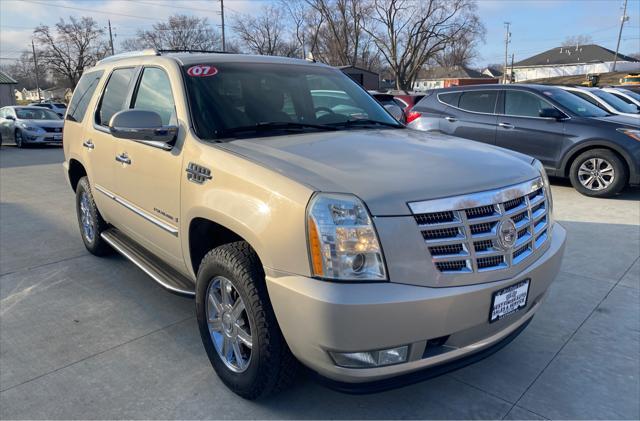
(371, 358)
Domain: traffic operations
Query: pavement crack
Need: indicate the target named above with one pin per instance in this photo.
(97, 354)
(27, 269)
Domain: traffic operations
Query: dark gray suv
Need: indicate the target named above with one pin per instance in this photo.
(598, 151)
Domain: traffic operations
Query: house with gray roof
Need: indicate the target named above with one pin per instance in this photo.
(573, 60)
(7, 84)
(444, 77)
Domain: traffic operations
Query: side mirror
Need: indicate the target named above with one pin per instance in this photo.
(143, 126)
(551, 113)
(395, 111)
(10, 117)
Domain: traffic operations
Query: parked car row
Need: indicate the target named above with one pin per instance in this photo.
(597, 150)
(57, 107)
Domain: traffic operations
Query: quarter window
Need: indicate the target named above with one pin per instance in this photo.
(82, 95)
(450, 98)
(523, 104)
(478, 101)
(115, 94)
(154, 94)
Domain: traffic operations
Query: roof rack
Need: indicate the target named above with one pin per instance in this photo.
(191, 51)
(146, 52)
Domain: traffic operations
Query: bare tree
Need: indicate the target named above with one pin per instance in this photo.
(577, 40)
(463, 50)
(410, 32)
(23, 70)
(179, 32)
(266, 34)
(70, 47)
(338, 32)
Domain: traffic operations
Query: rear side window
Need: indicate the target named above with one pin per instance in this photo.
(586, 98)
(450, 98)
(627, 100)
(154, 94)
(524, 104)
(478, 101)
(82, 95)
(115, 94)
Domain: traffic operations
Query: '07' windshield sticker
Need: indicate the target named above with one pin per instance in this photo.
(201, 70)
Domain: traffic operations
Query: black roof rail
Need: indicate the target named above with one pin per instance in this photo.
(191, 51)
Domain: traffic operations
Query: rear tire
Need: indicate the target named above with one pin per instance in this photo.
(90, 221)
(598, 173)
(267, 365)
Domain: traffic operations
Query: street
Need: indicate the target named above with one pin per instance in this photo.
(83, 337)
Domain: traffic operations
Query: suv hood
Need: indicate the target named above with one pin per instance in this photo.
(387, 168)
(618, 120)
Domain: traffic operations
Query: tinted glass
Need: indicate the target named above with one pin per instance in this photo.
(59, 105)
(154, 94)
(114, 95)
(615, 102)
(82, 95)
(622, 98)
(36, 113)
(632, 94)
(237, 95)
(478, 101)
(574, 104)
(523, 104)
(585, 97)
(450, 98)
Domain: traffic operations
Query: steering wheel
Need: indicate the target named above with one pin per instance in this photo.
(323, 109)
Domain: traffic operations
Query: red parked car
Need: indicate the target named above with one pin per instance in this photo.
(405, 100)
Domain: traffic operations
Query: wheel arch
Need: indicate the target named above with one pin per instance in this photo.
(76, 172)
(205, 234)
(587, 146)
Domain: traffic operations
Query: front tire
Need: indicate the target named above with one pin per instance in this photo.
(237, 323)
(598, 173)
(19, 138)
(90, 221)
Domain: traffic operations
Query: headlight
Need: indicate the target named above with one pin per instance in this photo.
(343, 244)
(632, 133)
(30, 128)
(547, 187)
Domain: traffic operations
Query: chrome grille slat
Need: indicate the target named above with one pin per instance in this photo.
(460, 232)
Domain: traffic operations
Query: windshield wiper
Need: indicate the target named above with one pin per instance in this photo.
(366, 122)
(274, 125)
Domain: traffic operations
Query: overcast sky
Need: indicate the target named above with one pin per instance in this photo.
(537, 25)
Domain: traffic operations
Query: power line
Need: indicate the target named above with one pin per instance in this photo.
(92, 10)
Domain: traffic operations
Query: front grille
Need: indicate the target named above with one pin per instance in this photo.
(461, 233)
(53, 129)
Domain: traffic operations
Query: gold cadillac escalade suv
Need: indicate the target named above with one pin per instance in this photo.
(310, 226)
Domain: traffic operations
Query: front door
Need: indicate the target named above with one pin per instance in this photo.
(521, 128)
(148, 177)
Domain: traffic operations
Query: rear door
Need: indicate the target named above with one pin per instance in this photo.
(470, 114)
(521, 128)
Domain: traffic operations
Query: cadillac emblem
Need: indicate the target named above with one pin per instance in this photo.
(507, 234)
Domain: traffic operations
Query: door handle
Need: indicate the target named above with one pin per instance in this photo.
(123, 158)
(88, 144)
(450, 119)
(506, 125)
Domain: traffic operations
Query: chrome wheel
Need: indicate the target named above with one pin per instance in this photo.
(596, 174)
(229, 324)
(86, 219)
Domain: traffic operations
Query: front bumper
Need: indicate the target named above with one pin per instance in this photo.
(317, 317)
(38, 137)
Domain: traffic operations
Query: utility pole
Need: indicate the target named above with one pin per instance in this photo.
(623, 19)
(35, 63)
(111, 37)
(507, 39)
(511, 75)
(224, 46)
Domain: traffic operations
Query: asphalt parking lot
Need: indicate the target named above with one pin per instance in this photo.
(83, 337)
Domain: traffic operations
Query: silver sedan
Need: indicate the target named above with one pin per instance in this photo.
(30, 125)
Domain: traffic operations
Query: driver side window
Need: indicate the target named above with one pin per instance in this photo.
(523, 104)
(154, 94)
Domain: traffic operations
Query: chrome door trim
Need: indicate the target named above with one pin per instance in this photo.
(133, 208)
(472, 200)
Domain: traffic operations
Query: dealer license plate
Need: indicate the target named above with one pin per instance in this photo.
(509, 300)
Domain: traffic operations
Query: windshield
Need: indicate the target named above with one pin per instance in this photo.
(574, 104)
(36, 114)
(230, 99)
(59, 105)
(632, 94)
(615, 102)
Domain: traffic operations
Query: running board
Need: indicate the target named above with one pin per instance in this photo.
(166, 276)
